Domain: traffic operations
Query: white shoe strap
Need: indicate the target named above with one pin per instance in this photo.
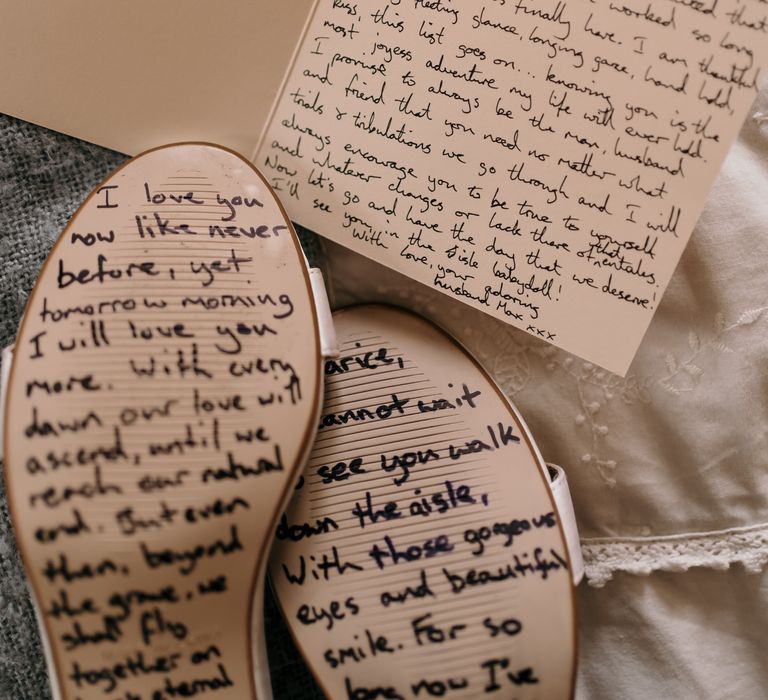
(561, 494)
(329, 346)
(5, 372)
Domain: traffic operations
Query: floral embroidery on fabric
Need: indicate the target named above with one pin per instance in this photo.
(683, 372)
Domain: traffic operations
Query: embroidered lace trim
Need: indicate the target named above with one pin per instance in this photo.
(603, 556)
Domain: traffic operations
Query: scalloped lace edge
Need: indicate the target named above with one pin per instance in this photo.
(718, 549)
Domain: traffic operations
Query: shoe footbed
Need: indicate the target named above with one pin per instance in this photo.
(165, 388)
(422, 473)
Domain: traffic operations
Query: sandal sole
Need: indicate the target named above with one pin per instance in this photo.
(164, 392)
(423, 555)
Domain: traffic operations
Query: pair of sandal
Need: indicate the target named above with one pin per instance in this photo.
(180, 398)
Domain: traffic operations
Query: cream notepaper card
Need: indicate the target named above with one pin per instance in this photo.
(544, 162)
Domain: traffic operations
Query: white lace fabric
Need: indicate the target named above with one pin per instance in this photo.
(719, 549)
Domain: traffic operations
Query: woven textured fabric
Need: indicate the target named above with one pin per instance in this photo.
(44, 176)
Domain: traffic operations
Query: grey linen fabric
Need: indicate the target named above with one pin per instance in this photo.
(44, 176)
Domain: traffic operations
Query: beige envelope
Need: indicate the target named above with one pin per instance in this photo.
(133, 74)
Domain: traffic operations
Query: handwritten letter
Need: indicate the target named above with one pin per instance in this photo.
(544, 162)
